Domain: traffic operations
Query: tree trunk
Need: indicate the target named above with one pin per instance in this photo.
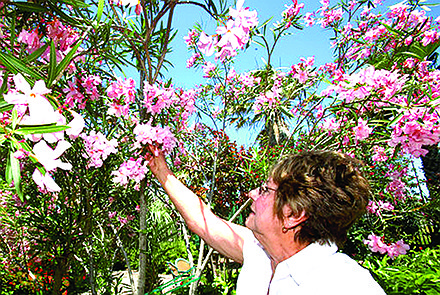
(142, 242)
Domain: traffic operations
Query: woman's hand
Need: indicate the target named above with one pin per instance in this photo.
(157, 163)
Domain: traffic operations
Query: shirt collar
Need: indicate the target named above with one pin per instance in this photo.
(299, 265)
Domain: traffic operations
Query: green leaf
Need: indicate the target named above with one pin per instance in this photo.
(31, 7)
(17, 66)
(14, 118)
(66, 60)
(100, 10)
(4, 106)
(40, 129)
(2, 138)
(36, 54)
(52, 64)
(13, 173)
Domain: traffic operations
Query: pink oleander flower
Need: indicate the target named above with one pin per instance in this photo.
(206, 44)
(98, 148)
(429, 37)
(190, 39)
(379, 154)
(158, 98)
(208, 69)
(30, 38)
(397, 248)
(27, 94)
(118, 110)
(133, 169)
(231, 35)
(49, 159)
(396, 187)
(45, 182)
(377, 207)
(76, 125)
(243, 17)
(122, 88)
(330, 124)
(362, 131)
(291, 12)
(147, 134)
(372, 207)
(376, 244)
(192, 60)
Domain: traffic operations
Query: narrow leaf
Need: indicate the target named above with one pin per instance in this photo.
(100, 10)
(16, 66)
(52, 64)
(66, 60)
(31, 7)
(36, 54)
(40, 129)
(4, 106)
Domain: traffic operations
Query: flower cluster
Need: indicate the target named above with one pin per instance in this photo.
(122, 93)
(291, 12)
(147, 134)
(98, 148)
(132, 169)
(80, 90)
(64, 37)
(231, 35)
(396, 186)
(377, 207)
(416, 128)
(376, 244)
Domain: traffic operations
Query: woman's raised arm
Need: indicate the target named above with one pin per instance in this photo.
(225, 237)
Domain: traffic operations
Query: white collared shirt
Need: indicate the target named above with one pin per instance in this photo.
(317, 269)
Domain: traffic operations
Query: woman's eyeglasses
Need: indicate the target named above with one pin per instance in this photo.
(264, 189)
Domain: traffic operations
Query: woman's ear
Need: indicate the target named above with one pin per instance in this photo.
(292, 220)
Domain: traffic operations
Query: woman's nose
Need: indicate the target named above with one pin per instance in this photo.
(253, 194)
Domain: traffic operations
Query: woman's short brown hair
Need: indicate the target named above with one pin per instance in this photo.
(328, 186)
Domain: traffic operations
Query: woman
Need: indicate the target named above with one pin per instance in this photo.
(299, 216)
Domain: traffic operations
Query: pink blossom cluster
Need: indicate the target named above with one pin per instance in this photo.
(98, 148)
(372, 28)
(362, 131)
(132, 169)
(157, 98)
(416, 128)
(328, 15)
(291, 12)
(396, 186)
(63, 37)
(80, 90)
(147, 134)
(303, 70)
(376, 244)
(122, 92)
(330, 124)
(377, 207)
(269, 99)
(368, 81)
(232, 34)
(379, 154)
